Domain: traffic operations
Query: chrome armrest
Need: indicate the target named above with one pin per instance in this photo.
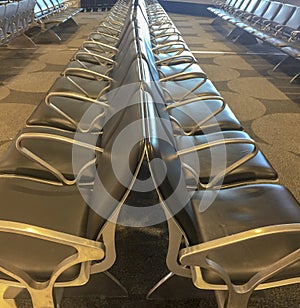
(196, 257)
(31, 155)
(215, 182)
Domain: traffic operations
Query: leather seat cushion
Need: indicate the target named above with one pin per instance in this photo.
(210, 162)
(180, 88)
(244, 208)
(91, 86)
(62, 155)
(191, 114)
(74, 108)
(53, 207)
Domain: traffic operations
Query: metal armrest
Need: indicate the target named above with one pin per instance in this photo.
(75, 71)
(77, 97)
(99, 45)
(97, 57)
(157, 33)
(184, 76)
(166, 25)
(61, 178)
(170, 45)
(175, 60)
(215, 182)
(196, 257)
(104, 35)
(166, 35)
(41, 292)
(193, 100)
(108, 27)
(295, 33)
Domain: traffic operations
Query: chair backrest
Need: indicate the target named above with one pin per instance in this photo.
(238, 4)
(50, 6)
(2, 12)
(272, 10)
(252, 6)
(261, 8)
(244, 5)
(118, 168)
(294, 21)
(172, 189)
(40, 9)
(284, 14)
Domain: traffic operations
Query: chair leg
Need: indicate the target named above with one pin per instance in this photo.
(22, 41)
(70, 23)
(7, 296)
(237, 300)
(46, 37)
(287, 61)
(218, 21)
(245, 38)
(232, 299)
(295, 78)
(42, 298)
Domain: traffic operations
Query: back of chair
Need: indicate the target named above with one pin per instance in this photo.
(171, 186)
(252, 6)
(123, 146)
(294, 21)
(284, 14)
(272, 10)
(261, 8)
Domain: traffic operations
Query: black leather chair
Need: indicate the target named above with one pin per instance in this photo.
(234, 240)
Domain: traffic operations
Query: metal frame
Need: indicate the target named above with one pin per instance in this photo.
(41, 292)
(103, 104)
(196, 257)
(60, 177)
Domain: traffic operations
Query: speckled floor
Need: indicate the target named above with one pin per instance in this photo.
(263, 100)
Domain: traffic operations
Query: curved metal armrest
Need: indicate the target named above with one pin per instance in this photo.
(77, 97)
(166, 25)
(28, 153)
(87, 251)
(157, 33)
(170, 60)
(200, 123)
(103, 34)
(75, 71)
(295, 34)
(170, 44)
(116, 22)
(160, 21)
(215, 182)
(278, 29)
(108, 27)
(186, 254)
(99, 58)
(99, 45)
(184, 76)
(166, 35)
(197, 256)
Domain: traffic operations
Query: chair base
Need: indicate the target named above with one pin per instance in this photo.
(101, 284)
(21, 41)
(177, 287)
(237, 35)
(47, 37)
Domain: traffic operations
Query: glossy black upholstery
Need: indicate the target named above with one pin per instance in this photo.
(209, 224)
(68, 170)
